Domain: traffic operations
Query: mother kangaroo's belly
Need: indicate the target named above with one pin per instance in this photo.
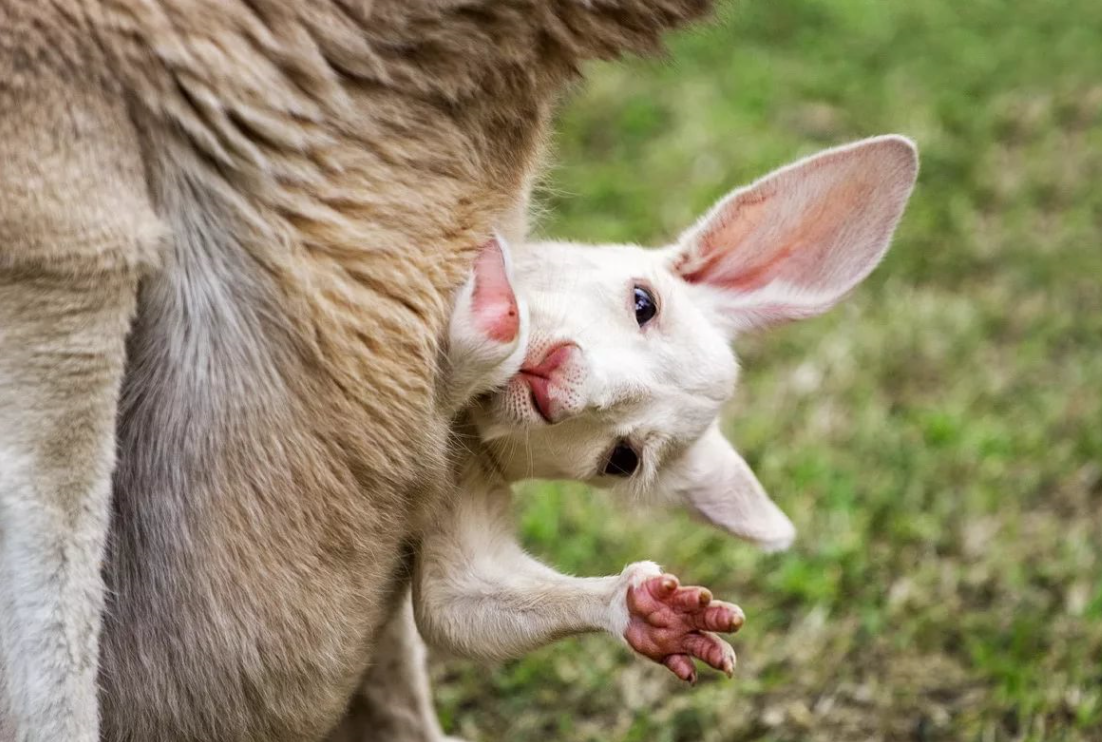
(277, 440)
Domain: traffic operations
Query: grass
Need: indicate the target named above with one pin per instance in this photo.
(937, 439)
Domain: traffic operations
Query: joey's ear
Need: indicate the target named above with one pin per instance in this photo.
(715, 482)
(493, 301)
(488, 331)
(795, 242)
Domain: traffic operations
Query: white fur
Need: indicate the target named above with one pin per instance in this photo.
(788, 246)
(477, 593)
(661, 387)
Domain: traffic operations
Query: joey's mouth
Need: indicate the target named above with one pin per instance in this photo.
(543, 371)
(538, 394)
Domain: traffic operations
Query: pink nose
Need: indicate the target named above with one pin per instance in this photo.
(551, 361)
(542, 376)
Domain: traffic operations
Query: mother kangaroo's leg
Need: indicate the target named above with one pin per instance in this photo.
(74, 226)
(394, 703)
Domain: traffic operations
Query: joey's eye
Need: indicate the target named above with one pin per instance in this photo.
(645, 306)
(622, 462)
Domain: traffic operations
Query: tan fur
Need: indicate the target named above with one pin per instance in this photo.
(290, 191)
(394, 703)
(75, 228)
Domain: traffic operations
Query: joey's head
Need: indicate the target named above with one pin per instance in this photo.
(629, 357)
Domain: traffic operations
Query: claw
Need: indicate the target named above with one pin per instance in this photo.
(738, 618)
(728, 667)
(693, 598)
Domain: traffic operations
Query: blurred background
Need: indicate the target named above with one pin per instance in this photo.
(937, 438)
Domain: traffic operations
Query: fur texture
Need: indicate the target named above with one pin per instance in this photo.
(394, 702)
(281, 196)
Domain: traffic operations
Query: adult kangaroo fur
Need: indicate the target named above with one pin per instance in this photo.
(229, 233)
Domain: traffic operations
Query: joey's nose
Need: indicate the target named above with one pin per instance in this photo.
(552, 361)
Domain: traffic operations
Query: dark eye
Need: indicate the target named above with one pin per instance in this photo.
(622, 462)
(645, 308)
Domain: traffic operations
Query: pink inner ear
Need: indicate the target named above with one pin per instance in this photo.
(759, 241)
(494, 304)
(715, 261)
(817, 228)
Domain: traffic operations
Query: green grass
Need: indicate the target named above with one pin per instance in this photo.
(937, 439)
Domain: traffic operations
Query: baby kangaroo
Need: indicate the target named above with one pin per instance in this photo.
(475, 590)
(610, 365)
(618, 380)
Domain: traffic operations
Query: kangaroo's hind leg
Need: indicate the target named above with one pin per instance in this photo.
(394, 703)
(76, 228)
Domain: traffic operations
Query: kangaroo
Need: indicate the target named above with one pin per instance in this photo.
(229, 231)
(626, 364)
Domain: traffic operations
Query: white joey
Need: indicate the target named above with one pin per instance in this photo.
(609, 365)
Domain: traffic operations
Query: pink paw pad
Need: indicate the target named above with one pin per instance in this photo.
(672, 624)
(494, 303)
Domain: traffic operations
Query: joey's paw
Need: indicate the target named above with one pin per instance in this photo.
(672, 624)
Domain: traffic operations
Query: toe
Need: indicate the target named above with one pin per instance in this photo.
(681, 665)
(691, 598)
(719, 616)
(661, 587)
(651, 599)
(710, 649)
